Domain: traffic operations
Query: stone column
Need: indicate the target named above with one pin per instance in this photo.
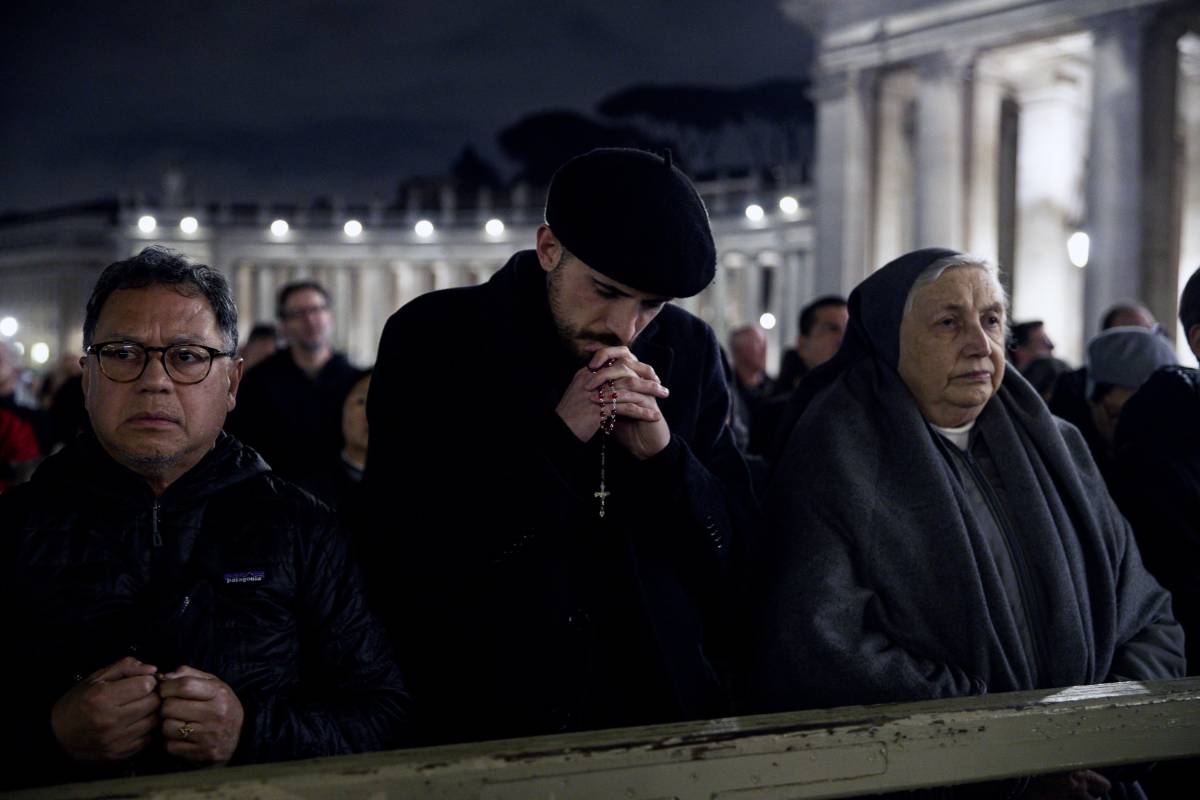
(1052, 138)
(1162, 166)
(941, 149)
(983, 212)
(1117, 187)
(1189, 235)
(264, 291)
(895, 230)
(844, 113)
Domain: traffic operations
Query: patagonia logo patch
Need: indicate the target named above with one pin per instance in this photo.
(249, 576)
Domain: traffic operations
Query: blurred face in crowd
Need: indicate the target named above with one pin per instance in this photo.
(589, 307)
(354, 417)
(1038, 345)
(1131, 316)
(749, 350)
(8, 369)
(154, 426)
(825, 338)
(1107, 410)
(952, 346)
(307, 321)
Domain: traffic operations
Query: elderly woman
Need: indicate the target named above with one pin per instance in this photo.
(934, 530)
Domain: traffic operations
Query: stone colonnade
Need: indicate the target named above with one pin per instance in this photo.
(1004, 137)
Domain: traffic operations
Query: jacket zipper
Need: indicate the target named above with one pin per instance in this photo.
(155, 536)
(1018, 558)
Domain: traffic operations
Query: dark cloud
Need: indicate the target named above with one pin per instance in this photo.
(326, 97)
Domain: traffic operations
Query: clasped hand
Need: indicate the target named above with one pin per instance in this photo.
(112, 714)
(634, 394)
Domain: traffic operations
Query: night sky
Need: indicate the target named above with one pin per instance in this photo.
(291, 100)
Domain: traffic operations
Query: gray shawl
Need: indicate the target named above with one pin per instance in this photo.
(879, 583)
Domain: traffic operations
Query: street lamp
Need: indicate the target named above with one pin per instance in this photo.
(147, 223)
(279, 228)
(189, 225)
(754, 212)
(424, 229)
(8, 326)
(494, 227)
(353, 228)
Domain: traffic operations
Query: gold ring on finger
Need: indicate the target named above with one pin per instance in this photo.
(186, 730)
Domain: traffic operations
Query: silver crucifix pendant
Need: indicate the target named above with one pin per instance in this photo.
(602, 495)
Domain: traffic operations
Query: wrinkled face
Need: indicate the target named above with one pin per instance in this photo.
(1107, 410)
(354, 415)
(825, 338)
(154, 426)
(952, 346)
(589, 307)
(307, 321)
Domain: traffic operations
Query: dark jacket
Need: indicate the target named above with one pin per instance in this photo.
(521, 611)
(292, 420)
(232, 571)
(1158, 488)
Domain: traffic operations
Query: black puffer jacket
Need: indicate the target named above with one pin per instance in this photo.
(232, 571)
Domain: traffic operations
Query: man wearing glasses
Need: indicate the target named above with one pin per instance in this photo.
(168, 600)
(290, 406)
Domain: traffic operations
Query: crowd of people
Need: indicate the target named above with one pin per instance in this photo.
(571, 510)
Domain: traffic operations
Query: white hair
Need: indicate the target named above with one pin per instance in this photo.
(958, 261)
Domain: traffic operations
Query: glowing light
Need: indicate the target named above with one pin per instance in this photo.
(40, 353)
(424, 229)
(494, 227)
(189, 225)
(147, 223)
(353, 228)
(8, 327)
(767, 321)
(789, 204)
(279, 228)
(754, 212)
(1077, 248)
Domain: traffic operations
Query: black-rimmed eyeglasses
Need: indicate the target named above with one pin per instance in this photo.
(124, 362)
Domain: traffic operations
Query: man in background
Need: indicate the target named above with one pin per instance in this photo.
(290, 405)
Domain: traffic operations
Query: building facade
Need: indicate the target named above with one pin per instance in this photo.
(375, 258)
(1005, 127)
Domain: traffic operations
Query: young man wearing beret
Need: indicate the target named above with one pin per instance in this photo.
(562, 491)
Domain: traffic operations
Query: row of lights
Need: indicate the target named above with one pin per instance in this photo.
(40, 352)
(279, 228)
(787, 204)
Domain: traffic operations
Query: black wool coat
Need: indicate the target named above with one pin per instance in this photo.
(231, 570)
(292, 420)
(517, 610)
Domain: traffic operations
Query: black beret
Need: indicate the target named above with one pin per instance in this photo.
(634, 217)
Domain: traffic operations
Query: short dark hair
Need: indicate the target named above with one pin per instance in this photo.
(808, 314)
(1021, 332)
(1189, 303)
(298, 286)
(161, 266)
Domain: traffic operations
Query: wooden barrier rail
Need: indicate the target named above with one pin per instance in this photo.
(839, 752)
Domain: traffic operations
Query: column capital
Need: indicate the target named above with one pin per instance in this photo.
(835, 85)
(1127, 26)
(954, 64)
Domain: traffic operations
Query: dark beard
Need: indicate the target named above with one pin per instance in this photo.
(570, 338)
